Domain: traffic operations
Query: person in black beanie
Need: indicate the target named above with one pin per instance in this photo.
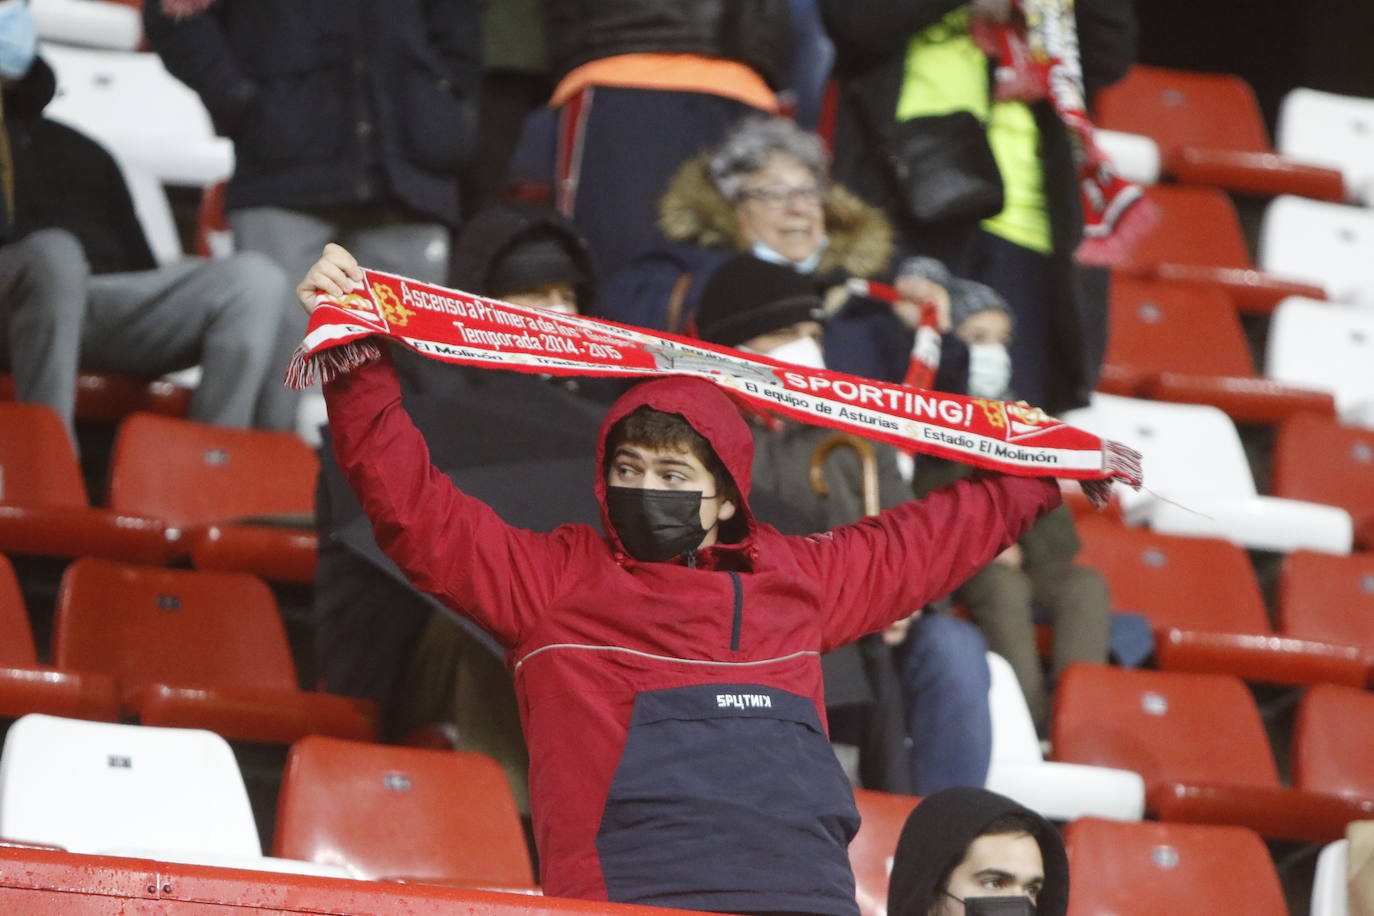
(971, 851)
(919, 715)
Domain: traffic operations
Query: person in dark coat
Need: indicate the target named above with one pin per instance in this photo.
(899, 61)
(642, 86)
(377, 637)
(971, 851)
(350, 121)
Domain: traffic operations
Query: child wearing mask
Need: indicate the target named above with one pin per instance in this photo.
(1035, 578)
(668, 670)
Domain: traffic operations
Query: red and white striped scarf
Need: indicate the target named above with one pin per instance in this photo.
(458, 327)
(1037, 58)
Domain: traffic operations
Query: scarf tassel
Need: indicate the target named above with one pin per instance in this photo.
(326, 365)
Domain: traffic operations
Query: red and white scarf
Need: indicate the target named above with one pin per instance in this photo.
(458, 327)
(1037, 58)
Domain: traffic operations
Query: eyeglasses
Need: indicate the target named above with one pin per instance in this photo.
(779, 196)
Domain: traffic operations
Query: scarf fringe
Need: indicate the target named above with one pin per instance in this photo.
(1122, 463)
(327, 365)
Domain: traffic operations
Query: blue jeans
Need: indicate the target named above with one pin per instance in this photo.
(945, 684)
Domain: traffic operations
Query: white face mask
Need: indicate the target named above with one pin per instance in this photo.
(989, 370)
(804, 351)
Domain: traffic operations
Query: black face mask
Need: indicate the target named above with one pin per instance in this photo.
(655, 525)
(997, 906)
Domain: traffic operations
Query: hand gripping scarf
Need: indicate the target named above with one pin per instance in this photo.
(458, 327)
(1037, 58)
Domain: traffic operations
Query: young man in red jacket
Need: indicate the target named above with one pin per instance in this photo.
(668, 671)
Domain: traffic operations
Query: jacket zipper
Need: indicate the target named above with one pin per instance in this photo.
(738, 621)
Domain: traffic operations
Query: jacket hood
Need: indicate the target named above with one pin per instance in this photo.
(490, 234)
(939, 831)
(710, 412)
(693, 211)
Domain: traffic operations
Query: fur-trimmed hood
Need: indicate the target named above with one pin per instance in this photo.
(693, 211)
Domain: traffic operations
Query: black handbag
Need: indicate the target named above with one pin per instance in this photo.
(940, 166)
(944, 168)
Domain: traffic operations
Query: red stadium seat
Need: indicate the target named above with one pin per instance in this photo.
(1210, 132)
(1197, 239)
(399, 813)
(247, 495)
(43, 504)
(1333, 742)
(195, 649)
(106, 397)
(1205, 607)
(1329, 598)
(870, 854)
(1320, 460)
(1120, 867)
(26, 686)
(1172, 342)
(1197, 741)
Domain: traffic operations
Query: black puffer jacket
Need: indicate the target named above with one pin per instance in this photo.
(752, 31)
(333, 101)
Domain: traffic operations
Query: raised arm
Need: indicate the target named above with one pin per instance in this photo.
(877, 570)
(448, 544)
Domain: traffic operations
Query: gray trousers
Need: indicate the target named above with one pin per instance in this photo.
(1000, 598)
(378, 236)
(219, 314)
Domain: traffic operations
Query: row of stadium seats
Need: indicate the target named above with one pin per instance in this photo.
(362, 811)
(229, 499)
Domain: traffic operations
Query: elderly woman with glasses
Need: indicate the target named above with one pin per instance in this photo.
(765, 190)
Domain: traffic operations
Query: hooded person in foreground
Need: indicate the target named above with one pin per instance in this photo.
(971, 851)
(668, 670)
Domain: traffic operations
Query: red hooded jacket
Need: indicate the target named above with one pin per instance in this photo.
(674, 714)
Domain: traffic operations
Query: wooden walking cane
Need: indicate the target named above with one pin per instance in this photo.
(868, 459)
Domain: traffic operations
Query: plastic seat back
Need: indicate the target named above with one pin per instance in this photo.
(1327, 244)
(1168, 327)
(1325, 346)
(1167, 726)
(37, 464)
(1178, 108)
(1151, 867)
(1332, 130)
(1195, 225)
(1323, 461)
(1187, 448)
(143, 625)
(1329, 598)
(91, 786)
(390, 812)
(870, 853)
(16, 636)
(189, 473)
(1202, 584)
(1333, 742)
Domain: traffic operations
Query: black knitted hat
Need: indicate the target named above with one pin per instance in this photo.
(747, 297)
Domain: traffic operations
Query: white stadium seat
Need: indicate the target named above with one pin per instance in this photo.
(1059, 791)
(1332, 130)
(1198, 481)
(94, 23)
(1330, 245)
(1326, 346)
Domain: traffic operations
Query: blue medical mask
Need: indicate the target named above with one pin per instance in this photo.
(18, 39)
(765, 253)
